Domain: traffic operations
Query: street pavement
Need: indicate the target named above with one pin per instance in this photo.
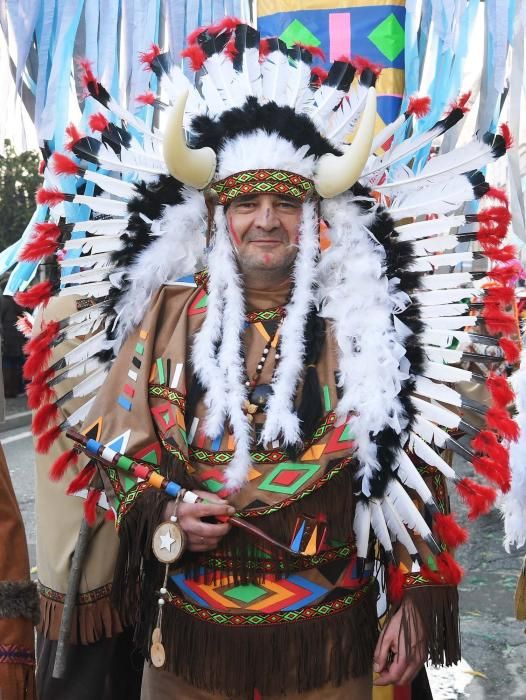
(493, 642)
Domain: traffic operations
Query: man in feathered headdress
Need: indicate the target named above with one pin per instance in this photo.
(268, 435)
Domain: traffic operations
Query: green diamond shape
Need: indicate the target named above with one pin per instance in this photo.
(297, 33)
(246, 593)
(388, 37)
(307, 469)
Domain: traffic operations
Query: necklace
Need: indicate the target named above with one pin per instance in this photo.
(259, 393)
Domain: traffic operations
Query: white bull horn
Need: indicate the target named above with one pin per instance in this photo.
(335, 174)
(192, 166)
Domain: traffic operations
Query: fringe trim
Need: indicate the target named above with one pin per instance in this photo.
(324, 650)
(437, 607)
(91, 621)
(17, 682)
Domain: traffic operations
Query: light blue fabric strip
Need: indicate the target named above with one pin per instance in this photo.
(45, 27)
(24, 272)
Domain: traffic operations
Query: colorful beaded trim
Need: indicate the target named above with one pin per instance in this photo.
(264, 181)
(199, 454)
(299, 563)
(161, 391)
(12, 654)
(322, 610)
(82, 598)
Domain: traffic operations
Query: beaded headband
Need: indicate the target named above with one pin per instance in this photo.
(262, 181)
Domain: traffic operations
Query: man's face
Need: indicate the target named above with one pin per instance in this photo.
(264, 229)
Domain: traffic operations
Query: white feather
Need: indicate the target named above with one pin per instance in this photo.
(445, 373)
(406, 509)
(96, 290)
(410, 477)
(437, 391)
(274, 72)
(361, 527)
(379, 526)
(444, 296)
(79, 415)
(102, 205)
(396, 527)
(430, 228)
(437, 414)
(424, 433)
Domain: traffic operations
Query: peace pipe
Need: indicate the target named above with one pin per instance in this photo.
(111, 458)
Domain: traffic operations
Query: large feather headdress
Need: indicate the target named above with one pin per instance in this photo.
(415, 311)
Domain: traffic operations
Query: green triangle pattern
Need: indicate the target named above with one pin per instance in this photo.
(297, 33)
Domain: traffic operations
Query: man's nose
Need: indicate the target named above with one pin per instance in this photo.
(266, 218)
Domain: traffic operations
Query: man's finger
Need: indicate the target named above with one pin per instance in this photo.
(392, 674)
(385, 644)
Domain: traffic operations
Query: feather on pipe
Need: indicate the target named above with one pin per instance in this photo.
(451, 322)
(88, 276)
(429, 312)
(96, 261)
(94, 244)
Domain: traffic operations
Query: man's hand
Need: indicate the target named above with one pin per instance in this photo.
(202, 536)
(397, 660)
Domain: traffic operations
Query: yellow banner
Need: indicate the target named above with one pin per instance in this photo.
(271, 7)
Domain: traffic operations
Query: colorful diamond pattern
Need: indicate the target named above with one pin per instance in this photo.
(278, 480)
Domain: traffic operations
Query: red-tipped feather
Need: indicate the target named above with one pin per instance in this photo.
(49, 197)
(500, 295)
(491, 233)
(499, 419)
(110, 515)
(497, 214)
(230, 48)
(148, 57)
(488, 444)
(497, 321)
(46, 336)
(460, 103)
(48, 229)
(450, 570)
(90, 506)
(313, 50)
(419, 106)
(499, 194)
(41, 167)
(347, 59)
(493, 471)
(147, 98)
(318, 75)
(41, 245)
(60, 465)
(505, 254)
(506, 135)
(36, 362)
(38, 294)
(196, 55)
(37, 393)
(361, 64)
(478, 498)
(98, 122)
(507, 274)
(511, 350)
(24, 325)
(264, 49)
(62, 165)
(193, 36)
(74, 136)
(395, 584)
(82, 480)
(87, 75)
(430, 575)
(500, 390)
(449, 531)
(226, 24)
(45, 441)
(43, 417)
